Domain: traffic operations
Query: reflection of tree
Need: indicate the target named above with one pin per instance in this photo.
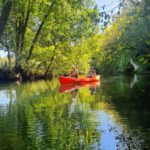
(66, 132)
(132, 103)
(8, 121)
(40, 119)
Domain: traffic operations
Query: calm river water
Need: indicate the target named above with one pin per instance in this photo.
(43, 115)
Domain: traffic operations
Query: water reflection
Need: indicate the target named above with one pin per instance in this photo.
(134, 80)
(74, 93)
(92, 90)
(72, 87)
(42, 115)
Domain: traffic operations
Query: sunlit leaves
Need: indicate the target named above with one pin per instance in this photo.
(48, 34)
(127, 37)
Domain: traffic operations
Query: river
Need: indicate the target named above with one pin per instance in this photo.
(42, 115)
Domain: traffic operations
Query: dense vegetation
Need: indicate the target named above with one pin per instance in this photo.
(124, 46)
(45, 38)
(42, 36)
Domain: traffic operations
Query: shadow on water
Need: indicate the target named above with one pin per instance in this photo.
(45, 115)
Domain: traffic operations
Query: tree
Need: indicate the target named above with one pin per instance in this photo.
(40, 38)
(124, 44)
(6, 8)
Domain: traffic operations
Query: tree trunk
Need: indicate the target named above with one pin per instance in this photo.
(51, 60)
(25, 23)
(38, 33)
(8, 55)
(135, 66)
(21, 25)
(16, 60)
(49, 66)
(7, 5)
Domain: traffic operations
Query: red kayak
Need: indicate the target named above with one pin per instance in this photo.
(80, 80)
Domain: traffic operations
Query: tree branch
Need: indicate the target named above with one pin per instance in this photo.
(37, 33)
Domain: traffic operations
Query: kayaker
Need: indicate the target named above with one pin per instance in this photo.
(92, 72)
(74, 73)
(74, 93)
(92, 90)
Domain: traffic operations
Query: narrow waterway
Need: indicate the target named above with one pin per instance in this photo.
(110, 115)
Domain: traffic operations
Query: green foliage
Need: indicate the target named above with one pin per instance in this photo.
(47, 35)
(125, 39)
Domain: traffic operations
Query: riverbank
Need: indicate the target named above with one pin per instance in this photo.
(11, 76)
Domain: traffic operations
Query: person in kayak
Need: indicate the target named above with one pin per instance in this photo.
(92, 72)
(92, 90)
(74, 73)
